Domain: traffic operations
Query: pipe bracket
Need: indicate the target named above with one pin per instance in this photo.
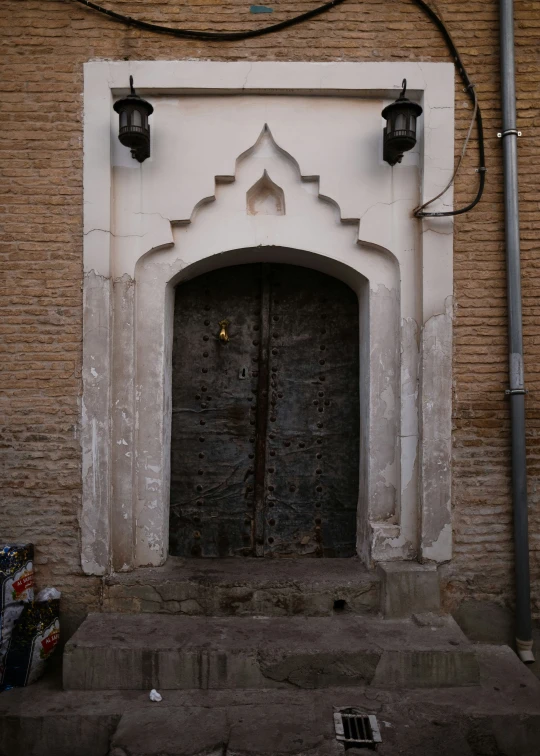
(508, 132)
(514, 392)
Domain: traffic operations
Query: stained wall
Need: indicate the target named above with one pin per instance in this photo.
(44, 48)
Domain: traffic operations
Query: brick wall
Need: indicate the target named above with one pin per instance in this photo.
(44, 46)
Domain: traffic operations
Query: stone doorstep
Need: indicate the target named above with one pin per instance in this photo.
(125, 651)
(500, 716)
(409, 587)
(245, 587)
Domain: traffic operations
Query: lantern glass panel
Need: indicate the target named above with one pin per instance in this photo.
(123, 119)
(136, 118)
(412, 122)
(401, 122)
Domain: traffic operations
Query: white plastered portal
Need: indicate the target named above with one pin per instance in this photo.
(266, 162)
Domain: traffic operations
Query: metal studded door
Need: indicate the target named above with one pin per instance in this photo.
(265, 433)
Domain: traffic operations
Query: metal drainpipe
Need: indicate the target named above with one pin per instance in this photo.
(516, 392)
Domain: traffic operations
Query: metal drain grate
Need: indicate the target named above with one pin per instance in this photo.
(356, 729)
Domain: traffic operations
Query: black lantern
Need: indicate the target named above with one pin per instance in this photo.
(134, 129)
(400, 129)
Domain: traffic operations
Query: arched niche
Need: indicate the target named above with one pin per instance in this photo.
(157, 277)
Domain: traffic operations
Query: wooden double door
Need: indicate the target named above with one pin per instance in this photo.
(265, 414)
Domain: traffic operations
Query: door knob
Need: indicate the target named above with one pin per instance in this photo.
(223, 335)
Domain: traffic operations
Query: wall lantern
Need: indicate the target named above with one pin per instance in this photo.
(134, 129)
(400, 129)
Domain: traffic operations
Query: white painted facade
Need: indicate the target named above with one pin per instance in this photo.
(273, 162)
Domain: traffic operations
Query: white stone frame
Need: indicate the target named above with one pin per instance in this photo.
(406, 423)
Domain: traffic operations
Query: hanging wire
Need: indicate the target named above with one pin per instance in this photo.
(469, 89)
(211, 36)
(419, 212)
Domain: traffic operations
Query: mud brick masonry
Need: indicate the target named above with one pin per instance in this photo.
(44, 47)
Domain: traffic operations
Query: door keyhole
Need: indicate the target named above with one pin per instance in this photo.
(242, 374)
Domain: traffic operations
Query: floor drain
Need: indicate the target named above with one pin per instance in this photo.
(355, 729)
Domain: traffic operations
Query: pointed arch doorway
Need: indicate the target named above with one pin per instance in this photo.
(265, 419)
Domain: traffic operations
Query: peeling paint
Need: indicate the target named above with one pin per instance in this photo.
(441, 549)
(95, 426)
(388, 398)
(436, 537)
(388, 474)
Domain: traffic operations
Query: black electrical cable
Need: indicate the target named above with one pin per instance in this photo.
(237, 36)
(212, 36)
(469, 88)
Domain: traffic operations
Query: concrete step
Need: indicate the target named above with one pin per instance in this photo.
(246, 587)
(125, 651)
(500, 716)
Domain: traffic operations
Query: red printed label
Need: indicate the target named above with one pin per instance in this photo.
(50, 641)
(23, 583)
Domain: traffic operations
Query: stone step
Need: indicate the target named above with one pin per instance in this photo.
(500, 716)
(246, 587)
(126, 651)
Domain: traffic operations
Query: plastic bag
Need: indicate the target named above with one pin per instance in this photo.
(16, 573)
(33, 639)
(47, 594)
(8, 620)
(16, 589)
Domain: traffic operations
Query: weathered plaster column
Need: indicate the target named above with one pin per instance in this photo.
(123, 424)
(95, 424)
